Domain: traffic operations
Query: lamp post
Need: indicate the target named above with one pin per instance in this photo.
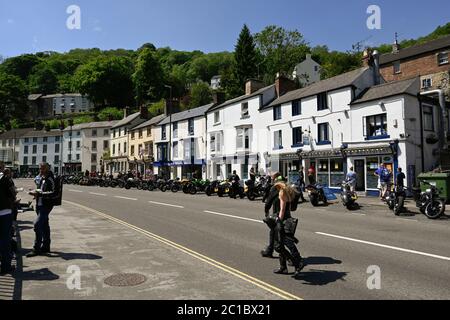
(170, 127)
(70, 145)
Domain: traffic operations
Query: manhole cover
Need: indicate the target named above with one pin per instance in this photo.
(125, 280)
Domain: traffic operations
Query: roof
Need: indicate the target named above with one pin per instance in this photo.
(42, 133)
(216, 77)
(243, 97)
(92, 125)
(60, 95)
(15, 133)
(33, 97)
(127, 120)
(152, 121)
(188, 114)
(409, 86)
(416, 50)
(340, 81)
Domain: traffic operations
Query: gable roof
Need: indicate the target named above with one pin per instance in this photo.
(42, 133)
(152, 121)
(337, 82)
(408, 86)
(242, 98)
(188, 114)
(127, 120)
(15, 133)
(92, 125)
(416, 50)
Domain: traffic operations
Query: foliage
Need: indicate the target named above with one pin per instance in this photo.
(114, 113)
(13, 98)
(201, 94)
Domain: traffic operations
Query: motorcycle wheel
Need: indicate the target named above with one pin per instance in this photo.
(399, 205)
(435, 209)
(163, 188)
(175, 189)
(251, 196)
(208, 191)
(127, 186)
(314, 201)
(151, 187)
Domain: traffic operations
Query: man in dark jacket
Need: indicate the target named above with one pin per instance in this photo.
(273, 194)
(44, 205)
(7, 201)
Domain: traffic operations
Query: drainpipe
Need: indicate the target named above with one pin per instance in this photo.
(443, 128)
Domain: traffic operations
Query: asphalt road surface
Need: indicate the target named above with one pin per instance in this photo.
(342, 249)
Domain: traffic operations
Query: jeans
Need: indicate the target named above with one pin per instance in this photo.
(283, 241)
(5, 241)
(42, 229)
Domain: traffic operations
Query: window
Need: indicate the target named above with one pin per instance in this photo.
(57, 148)
(243, 138)
(118, 148)
(428, 118)
(175, 149)
(94, 158)
(34, 149)
(105, 132)
(44, 148)
(149, 132)
(191, 127)
(216, 117)
(70, 145)
(397, 68)
(175, 129)
(114, 133)
(324, 137)
(132, 151)
(78, 133)
(296, 108)
(377, 126)
(277, 113)
(297, 137)
(163, 132)
(45, 139)
(56, 159)
(212, 143)
(44, 159)
(124, 147)
(57, 139)
(94, 145)
(323, 172)
(114, 149)
(322, 101)
(70, 157)
(25, 150)
(278, 140)
(105, 144)
(442, 58)
(78, 144)
(140, 134)
(244, 171)
(244, 110)
(25, 160)
(78, 157)
(132, 135)
(427, 83)
(33, 160)
(35, 140)
(94, 132)
(27, 140)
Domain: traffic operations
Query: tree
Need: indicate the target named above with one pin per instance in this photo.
(21, 66)
(334, 63)
(148, 78)
(43, 79)
(13, 98)
(281, 50)
(110, 113)
(106, 80)
(200, 95)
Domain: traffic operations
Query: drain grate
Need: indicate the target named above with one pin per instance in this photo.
(125, 280)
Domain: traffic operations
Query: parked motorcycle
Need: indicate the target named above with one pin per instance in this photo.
(348, 197)
(316, 194)
(399, 195)
(256, 189)
(430, 203)
(212, 188)
(197, 185)
(224, 188)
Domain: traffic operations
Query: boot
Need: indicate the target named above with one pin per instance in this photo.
(281, 270)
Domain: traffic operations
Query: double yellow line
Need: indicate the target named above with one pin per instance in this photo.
(261, 284)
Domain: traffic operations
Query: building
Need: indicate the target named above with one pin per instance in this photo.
(40, 146)
(307, 72)
(67, 103)
(141, 137)
(215, 82)
(10, 147)
(119, 141)
(86, 146)
(429, 61)
(39, 109)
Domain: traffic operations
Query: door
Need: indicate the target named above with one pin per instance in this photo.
(360, 175)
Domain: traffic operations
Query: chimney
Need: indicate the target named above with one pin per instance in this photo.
(218, 97)
(253, 85)
(367, 57)
(144, 112)
(283, 85)
(396, 46)
(126, 112)
(308, 56)
(376, 67)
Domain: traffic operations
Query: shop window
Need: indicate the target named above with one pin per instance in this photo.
(372, 165)
(244, 171)
(323, 173)
(337, 174)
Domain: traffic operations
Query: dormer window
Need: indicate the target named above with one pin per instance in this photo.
(397, 67)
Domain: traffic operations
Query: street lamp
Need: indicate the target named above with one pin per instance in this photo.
(70, 145)
(170, 126)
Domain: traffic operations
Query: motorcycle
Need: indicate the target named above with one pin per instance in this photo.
(347, 196)
(316, 194)
(197, 185)
(256, 190)
(398, 196)
(212, 188)
(430, 203)
(224, 188)
(236, 190)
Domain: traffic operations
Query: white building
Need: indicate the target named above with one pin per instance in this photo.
(69, 103)
(40, 146)
(87, 146)
(215, 82)
(184, 133)
(119, 141)
(307, 72)
(10, 147)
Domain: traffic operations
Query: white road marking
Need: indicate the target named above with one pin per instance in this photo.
(386, 246)
(125, 198)
(405, 219)
(231, 216)
(97, 194)
(78, 191)
(167, 204)
(358, 214)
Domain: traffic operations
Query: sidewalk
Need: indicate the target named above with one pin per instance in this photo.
(101, 248)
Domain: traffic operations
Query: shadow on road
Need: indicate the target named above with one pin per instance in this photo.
(36, 275)
(321, 260)
(321, 277)
(73, 256)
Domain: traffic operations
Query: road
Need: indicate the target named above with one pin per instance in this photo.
(412, 253)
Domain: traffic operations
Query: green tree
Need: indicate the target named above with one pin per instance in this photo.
(106, 80)
(201, 95)
(113, 113)
(13, 98)
(21, 66)
(43, 79)
(334, 63)
(148, 78)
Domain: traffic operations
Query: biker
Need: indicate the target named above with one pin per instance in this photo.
(235, 183)
(312, 176)
(400, 178)
(351, 179)
(252, 175)
(301, 183)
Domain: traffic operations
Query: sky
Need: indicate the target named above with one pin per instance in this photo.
(207, 25)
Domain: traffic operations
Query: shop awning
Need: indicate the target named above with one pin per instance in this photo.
(331, 153)
(369, 151)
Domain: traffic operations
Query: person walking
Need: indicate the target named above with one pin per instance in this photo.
(400, 178)
(385, 179)
(7, 202)
(285, 241)
(44, 205)
(301, 184)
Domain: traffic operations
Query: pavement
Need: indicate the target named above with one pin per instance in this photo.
(199, 247)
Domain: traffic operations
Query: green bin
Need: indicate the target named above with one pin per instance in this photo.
(440, 180)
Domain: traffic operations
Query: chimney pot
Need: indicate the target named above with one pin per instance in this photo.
(218, 97)
(253, 85)
(283, 85)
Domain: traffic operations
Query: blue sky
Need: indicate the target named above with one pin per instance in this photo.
(207, 25)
